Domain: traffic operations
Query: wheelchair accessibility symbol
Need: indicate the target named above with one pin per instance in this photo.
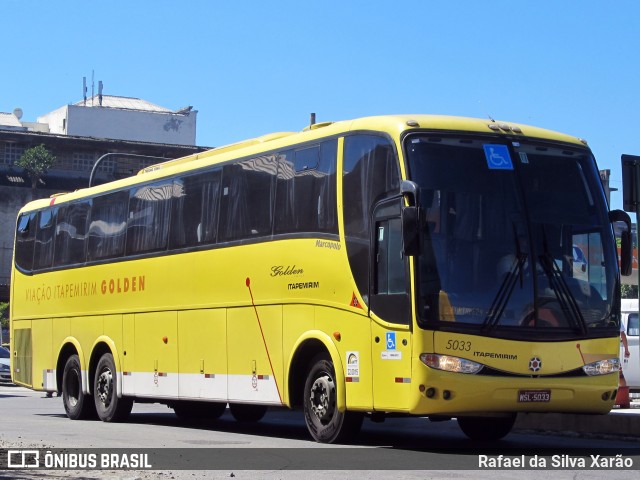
(391, 340)
(498, 157)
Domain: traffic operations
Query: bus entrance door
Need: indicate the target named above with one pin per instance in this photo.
(390, 311)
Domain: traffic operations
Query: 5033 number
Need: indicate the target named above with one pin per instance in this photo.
(460, 345)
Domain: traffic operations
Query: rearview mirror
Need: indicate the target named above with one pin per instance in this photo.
(410, 231)
(626, 253)
(630, 194)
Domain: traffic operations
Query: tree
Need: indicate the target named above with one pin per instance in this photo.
(36, 161)
(629, 291)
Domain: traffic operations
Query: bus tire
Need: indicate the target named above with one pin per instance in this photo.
(192, 410)
(110, 408)
(486, 428)
(325, 422)
(246, 413)
(77, 404)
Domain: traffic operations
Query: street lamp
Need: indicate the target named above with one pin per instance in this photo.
(106, 155)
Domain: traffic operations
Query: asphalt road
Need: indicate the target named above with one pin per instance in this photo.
(279, 446)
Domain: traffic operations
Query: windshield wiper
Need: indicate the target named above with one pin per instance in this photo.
(504, 292)
(506, 288)
(565, 298)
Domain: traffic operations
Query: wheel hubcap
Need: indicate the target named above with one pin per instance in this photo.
(322, 395)
(103, 387)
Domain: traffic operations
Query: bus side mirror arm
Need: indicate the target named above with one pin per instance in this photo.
(409, 190)
(626, 254)
(410, 217)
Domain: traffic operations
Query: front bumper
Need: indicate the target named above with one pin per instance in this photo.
(446, 393)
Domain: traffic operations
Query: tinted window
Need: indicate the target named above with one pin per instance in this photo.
(306, 195)
(195, 209)
(43, 250)
(108, 226)
(390, 270)
(71, 231)
(148, 219)
(389, 299)
(370, 174)
(25, 237)
(247, 198)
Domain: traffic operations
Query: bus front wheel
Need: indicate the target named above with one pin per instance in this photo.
(486, 428)
(77, 404)
(110, 408)
(325, 422)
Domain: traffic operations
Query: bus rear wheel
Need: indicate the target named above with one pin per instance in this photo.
(243, 412)
(325, 422)
(486, 428)
(77, 404)
(110, 408)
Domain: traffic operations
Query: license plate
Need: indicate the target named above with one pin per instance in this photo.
(534, 396)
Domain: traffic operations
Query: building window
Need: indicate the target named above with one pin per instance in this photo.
(12, 152)
(83, 160)
(108, 165)
(64, 161)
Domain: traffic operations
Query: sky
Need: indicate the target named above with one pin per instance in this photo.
(255, 67)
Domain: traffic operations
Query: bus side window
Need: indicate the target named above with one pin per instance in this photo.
(71, 232)
(148, 220)
(325, 188)
(247, 198)
(108, 226)
(25, 239)
(194, 214)
(43, 249)
(306, 190)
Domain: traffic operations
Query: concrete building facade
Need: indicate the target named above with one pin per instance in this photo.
(123, 118)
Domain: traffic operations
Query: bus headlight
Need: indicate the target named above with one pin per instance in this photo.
(602, 367)
(450, 364)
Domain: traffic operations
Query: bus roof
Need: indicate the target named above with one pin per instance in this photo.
(389, 123)
(394, 125)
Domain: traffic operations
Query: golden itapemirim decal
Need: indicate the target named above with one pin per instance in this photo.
(110, 286)
(123, 285)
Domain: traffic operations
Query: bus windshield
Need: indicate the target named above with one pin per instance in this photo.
(516, 238)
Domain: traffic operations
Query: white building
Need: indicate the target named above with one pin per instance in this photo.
(9, 121)
(123, 118)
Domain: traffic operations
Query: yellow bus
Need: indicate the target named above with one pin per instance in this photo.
(394, 265)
